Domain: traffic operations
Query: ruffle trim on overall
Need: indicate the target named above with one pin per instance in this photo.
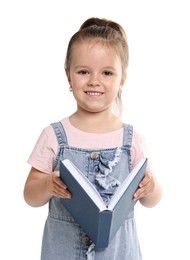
(105, 184)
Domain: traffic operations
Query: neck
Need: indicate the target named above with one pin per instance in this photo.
(100, 122)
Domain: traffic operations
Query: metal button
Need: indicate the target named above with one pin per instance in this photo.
(94, 155)
(86, 240)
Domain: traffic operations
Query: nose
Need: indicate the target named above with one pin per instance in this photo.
(93, 81)
(92, 84)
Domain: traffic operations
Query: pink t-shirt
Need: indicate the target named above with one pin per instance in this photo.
(44, 153)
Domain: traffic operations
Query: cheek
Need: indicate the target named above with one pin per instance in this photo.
(78, 82)
(116, 85)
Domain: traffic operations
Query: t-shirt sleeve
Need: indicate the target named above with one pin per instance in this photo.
(139, 149)
(44, 153)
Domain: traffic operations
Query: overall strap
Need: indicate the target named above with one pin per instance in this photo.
(60, 133)
(127, 141)
(127, 135)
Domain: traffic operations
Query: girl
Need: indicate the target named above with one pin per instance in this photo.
(103, 147)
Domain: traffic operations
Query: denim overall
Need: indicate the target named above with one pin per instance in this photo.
(63, 238)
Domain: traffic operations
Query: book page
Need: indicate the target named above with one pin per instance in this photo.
(122, 188)
(85, 183)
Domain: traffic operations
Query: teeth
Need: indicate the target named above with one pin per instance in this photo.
(94, 93)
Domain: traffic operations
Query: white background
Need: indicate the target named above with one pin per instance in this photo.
(34, 92)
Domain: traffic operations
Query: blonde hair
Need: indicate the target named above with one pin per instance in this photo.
(107, 32)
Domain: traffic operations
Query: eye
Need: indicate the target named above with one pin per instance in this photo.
(107, 73)
(83, 72)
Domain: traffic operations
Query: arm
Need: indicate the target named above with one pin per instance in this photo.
(40, 187)
(149, 192)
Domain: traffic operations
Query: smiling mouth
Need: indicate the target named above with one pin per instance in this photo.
(94, 93)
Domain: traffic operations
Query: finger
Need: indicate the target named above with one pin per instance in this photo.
(57, 187)
(137, 194)
(145, 180)
(142, 192)
(60, 192)
(57, 180)
(59, 183)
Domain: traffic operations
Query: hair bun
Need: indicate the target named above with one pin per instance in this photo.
(97, 22)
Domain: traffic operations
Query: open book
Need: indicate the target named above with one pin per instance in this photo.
(100, 222)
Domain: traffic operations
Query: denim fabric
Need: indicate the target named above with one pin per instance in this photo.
(63, 238)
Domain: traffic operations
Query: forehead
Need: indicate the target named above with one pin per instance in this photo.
(93, 48)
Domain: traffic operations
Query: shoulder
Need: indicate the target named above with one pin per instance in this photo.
(44, 151)
(48, 138)
(48, 132)
(138, 137)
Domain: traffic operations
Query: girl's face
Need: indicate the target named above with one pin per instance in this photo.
(95, 75)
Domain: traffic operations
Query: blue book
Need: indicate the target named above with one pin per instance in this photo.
(100, 222)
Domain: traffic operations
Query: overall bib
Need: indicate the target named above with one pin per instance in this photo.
(63, 238)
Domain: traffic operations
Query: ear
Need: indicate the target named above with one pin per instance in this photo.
(123, 79)
(68, 76)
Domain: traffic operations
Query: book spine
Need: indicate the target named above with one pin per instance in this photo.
(103, 234)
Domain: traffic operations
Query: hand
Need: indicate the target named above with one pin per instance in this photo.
(56, 186)
(146, 187)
